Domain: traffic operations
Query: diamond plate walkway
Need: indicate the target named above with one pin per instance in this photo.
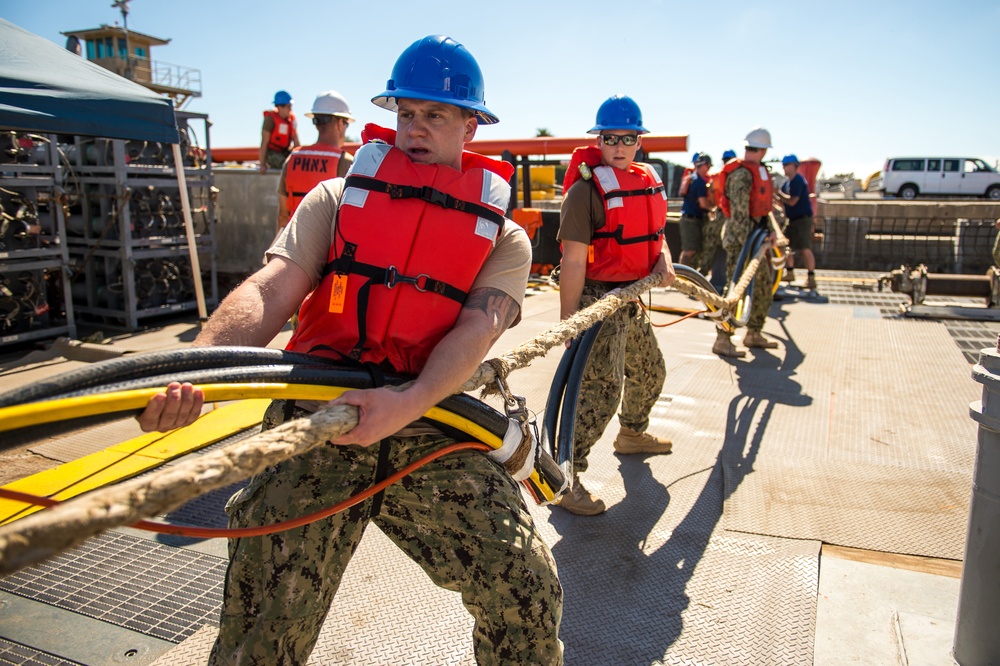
(710, 555)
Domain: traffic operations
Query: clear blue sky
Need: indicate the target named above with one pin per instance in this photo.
(850, 83)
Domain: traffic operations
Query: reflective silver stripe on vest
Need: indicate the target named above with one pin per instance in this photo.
(609, 183)
(322, 153)
(367, 161)
(496, 193)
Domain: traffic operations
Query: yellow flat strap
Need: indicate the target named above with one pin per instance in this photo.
(131, 457)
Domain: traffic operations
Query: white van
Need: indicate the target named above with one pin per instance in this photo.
(909, 177)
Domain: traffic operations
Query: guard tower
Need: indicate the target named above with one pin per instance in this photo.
(127, 53)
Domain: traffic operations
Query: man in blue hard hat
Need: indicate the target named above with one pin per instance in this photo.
(368, 251)
(279, 133)
(611, 227)
(794, 197)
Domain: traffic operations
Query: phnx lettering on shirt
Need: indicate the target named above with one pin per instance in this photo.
(307, 167)
(408, 243)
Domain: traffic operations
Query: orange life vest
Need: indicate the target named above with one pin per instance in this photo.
(635, 212)
(281, 133)
(409, 241)
(307, 167)
(761, 192)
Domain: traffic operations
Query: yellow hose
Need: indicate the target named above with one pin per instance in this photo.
(64, 409)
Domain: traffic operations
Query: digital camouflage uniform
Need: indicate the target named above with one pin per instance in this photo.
(711, 241)
(996, 251)
(625, 361)
(476, 537)
(735, 232)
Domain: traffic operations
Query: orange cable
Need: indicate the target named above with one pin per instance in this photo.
(213, 532)
(687, 316)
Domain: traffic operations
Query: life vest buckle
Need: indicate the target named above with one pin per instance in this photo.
(431, 195)
(394, 277)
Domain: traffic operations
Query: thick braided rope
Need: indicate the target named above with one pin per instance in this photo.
(47, 533)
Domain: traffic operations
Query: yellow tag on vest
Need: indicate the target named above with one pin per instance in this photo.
(338, 293)
(590, 254)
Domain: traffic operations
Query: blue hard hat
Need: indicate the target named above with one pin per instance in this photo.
(789, 159)
(438, 69)
(728, 155)
(281, 98)
(621, 113)
(694, 158)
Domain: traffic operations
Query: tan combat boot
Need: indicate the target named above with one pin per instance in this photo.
(578, 500)
(811, 282)
(756, 339)
(724, 345)
(631, 441)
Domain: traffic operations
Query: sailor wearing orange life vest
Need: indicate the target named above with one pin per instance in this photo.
(745, 192)
(279, 133)
(307, 166)
(408, 265)
(611, 227)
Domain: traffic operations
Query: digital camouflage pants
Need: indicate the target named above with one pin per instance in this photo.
(711, 234)
(461, 518)
(625, 362)
(762, 283)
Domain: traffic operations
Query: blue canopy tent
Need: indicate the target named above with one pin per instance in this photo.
(47, 89)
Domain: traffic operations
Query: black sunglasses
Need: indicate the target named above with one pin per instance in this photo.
(613, 139)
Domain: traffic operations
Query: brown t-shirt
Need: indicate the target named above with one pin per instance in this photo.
(581, 214)
(307, 238)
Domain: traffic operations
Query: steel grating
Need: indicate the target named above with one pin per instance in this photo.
(154, 589)
(973, 336)
(16, 654)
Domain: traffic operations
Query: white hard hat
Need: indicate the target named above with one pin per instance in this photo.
(331, 103)
(758, 138)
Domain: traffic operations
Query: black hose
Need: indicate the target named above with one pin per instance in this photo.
(693, 275)
(756, 237)
(148, 363)
(567, 420)
(463, 405)
(556, 390)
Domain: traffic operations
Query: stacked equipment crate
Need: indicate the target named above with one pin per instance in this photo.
(110, 233)
(35, 298)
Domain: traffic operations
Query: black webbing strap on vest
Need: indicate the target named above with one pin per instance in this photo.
(646, 191)
(428, 194)
(388, 277)
(618, 233)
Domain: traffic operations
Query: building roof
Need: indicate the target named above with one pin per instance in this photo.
(105, 29)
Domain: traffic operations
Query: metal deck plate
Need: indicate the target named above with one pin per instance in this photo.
(154, 589)
(22, 655)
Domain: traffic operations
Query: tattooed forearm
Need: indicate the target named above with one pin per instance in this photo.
(499, 307)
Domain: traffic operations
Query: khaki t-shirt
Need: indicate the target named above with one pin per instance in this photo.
(306, 241)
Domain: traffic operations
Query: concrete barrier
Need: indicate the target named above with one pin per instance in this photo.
(946, 236)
